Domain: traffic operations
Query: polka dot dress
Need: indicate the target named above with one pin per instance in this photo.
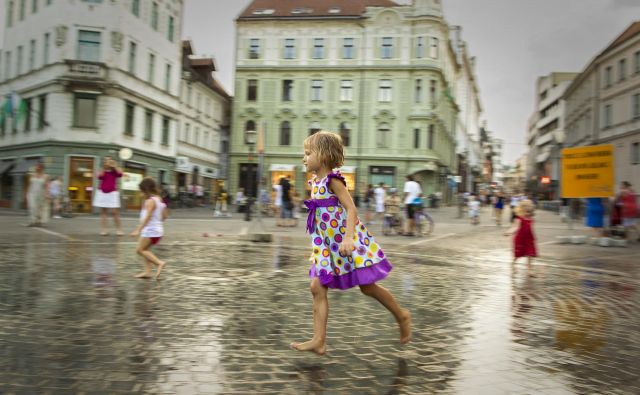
(365, 265)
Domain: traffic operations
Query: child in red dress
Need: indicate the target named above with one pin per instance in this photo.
(524, 241)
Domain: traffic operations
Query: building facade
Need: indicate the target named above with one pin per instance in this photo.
(546, 134)
(81, 80)
(380, 74)
(603, 104)
(204, 124)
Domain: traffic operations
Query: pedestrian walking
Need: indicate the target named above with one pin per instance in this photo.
(628, 209)
(38, 196)
(474, 209)
(150, 229)
(595, 215)
(345, 254)
(286, 213)
(524, 241)
(55, 195)
(277, 202)
(379, 196)
(498, 206)
(107, 196)
(412, 193)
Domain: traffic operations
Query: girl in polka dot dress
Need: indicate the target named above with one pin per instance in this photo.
(344, 253)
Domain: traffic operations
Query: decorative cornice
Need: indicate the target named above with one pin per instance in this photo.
(286, 113)
(345, 114)
(384, 115)
(315, 114)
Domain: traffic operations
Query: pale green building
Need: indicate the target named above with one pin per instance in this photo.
(375, 72)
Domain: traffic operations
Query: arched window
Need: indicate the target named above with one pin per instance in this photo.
(384, 135)
(345, 131)
(250, 125)
(285, 133)
(314, 128)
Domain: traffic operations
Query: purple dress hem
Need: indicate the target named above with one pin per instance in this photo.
(362, 276)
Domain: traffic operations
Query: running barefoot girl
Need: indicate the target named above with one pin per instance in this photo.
(524, 241)
(150, 229)
(344, 254)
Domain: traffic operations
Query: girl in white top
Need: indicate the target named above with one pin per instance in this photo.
(150, 230)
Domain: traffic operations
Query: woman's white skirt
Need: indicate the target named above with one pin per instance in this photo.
(106, 200)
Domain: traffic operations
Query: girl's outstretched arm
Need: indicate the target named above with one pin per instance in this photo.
(340, 190)
(150, 205)
(514, 227)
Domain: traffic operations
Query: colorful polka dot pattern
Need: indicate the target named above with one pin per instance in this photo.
(330, 230)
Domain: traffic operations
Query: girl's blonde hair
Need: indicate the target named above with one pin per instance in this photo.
(525, 207)
(328, 146)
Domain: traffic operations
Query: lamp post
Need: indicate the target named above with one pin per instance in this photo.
(560, 137)
(250, 140)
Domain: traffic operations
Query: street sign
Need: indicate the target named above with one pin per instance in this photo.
(588, 172)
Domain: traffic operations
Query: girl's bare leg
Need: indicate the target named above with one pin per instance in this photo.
(530, 266)
(147, 270)
(103, 221)
(143, 250)
(402, 316)
(317, 344)
(116, 218)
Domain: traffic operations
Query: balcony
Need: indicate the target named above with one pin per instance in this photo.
(84, 75)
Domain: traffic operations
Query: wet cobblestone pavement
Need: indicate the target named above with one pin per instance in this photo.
(74, 320)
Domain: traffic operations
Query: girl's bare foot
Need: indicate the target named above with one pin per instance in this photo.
(160, 267)
(143, 275)
(316, 347)
(405, 327)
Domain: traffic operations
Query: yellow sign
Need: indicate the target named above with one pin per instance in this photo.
(587, 172)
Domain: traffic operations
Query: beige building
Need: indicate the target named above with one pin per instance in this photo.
(603, 104)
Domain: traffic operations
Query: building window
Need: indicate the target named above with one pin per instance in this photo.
(608, 76)
(19, 56)
(384, 91)
(433, 48)
(129, 113)
(154, 15)
(420, 47)
(152, 68)
(167, 78)
(249, 125)
(196, 136)
(148, 125)
(187, 128)
(418, 91)
(84, 110)
(252, 90)
(636, 106)
(7, 65)
(171, 28)
(189, 95)
(287, 87)
(433, 93)
(42, 113)
(45, 49)
(289, 48)
(22, 9)
(346, 90)
(314, 128)
(607, 116)
(28, 104)
(34, 6)
(637, 62)
(431, 137)
(635, 153)
(285, 133)
(89, 46)
(622, 69)
(416, 138)
(384, 134)
(10, 11)
(132, 57)
(135, 7)
(165, 130)
(347, 48)
(254, 48)
(318, 48)
(316, 90)
(345, 132)
(32, 54)
(386, 51)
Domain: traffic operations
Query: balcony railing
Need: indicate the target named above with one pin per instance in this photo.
(86, 70)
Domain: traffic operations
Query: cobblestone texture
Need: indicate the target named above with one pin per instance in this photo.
(75, 321)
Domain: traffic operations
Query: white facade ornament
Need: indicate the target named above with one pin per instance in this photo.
(61, 35)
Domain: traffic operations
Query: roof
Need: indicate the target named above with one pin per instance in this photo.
(267, 9)
(628, 34)
(201, 68)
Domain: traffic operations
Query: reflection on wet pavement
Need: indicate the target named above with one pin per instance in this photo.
(74, 320)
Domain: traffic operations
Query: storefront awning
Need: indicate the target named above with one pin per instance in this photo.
(278, 167)
(24, 166)
(4, 166)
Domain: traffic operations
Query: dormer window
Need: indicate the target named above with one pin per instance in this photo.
(263, 11)
(301, 11)
(334, 10)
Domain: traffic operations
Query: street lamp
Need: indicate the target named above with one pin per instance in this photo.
(250, 140)
(560, 137)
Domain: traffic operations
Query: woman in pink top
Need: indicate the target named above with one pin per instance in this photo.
(107, 195)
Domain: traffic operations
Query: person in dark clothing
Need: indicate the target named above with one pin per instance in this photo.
(287, 205)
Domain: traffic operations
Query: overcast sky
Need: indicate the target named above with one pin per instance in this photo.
(515, 41)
